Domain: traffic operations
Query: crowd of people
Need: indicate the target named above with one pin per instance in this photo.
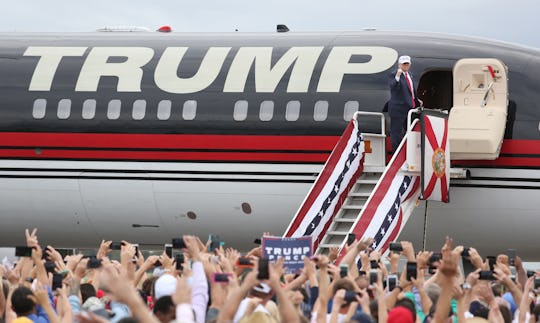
(196, 285)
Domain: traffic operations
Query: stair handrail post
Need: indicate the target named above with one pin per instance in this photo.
(357, 114)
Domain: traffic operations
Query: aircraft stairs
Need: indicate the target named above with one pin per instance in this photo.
(329, 217)
(355, 198)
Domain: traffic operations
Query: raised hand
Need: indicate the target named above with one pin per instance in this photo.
(333, 253)
(408, 250)
(449, 263)
(182, 295)
(364, 244)
(422, 259)
(31, 238)
(72, 261)
(104, 249)
(193, 248)
(475, 258)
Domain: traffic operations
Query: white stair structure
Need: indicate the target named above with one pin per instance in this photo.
(347, 215)
(374, 165)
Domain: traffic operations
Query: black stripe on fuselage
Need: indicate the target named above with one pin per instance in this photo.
(498, 182)
(140, 171)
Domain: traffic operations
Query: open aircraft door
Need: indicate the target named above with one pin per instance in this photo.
(478, 119)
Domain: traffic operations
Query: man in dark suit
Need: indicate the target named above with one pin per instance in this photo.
(402, 99)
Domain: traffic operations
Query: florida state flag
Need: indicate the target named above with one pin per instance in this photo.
(435, 172)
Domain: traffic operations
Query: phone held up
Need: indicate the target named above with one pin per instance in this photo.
(178, 243)
(391, 282)
(343, 270)
(244, 262)
(179, 259)
(263, 269)
(221, 278)
(351, 238)
(395, 246)
(373, 276)
(512, 253)
(214, 242)
(411, 270)
(23, 251)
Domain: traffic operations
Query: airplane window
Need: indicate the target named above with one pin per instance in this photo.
(64, 109)
(113, 111)
(321, 111)
(267, 110)
(240, 110)
(40, 105)
(350, 108)
(190, 110)
(293, 111)
(139, 109)
(89, 109)
(164, 110)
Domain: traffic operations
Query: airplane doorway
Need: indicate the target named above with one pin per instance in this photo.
(435, 89)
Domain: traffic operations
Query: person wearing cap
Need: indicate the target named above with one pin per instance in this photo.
(402, 98)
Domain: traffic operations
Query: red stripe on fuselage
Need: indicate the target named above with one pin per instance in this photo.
(86, 146)
(167, 141)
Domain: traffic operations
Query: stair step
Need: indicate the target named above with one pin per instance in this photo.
(367, 181)
(353, 207)
(327, 245)
(360, 194)
(338, 233)
(340, 226)
(344, 220)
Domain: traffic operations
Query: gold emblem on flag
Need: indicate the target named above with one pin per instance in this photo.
(438, 161)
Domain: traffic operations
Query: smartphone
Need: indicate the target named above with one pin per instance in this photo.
(465, 252)
(179, 258)
(214, 242)
(343, 270)
(536, 283)
(168, 250)
(57, 281)
(221, 278)
(395, 246)
(374, 264)
(411, 270)
(391, 282)
(23, 251)
(244, 262)
(263, 269)
(373, 275)
(50, 267)
(178, 243)
(350, 296)
(136, 245)
(486, 275)
(93, 263)
(116, 245)
(351, 238)
(491, 261)
(512, 253)
(530, 273)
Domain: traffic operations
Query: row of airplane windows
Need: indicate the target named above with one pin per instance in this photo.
(189, 110)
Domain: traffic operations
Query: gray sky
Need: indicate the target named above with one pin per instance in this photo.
(512, 21)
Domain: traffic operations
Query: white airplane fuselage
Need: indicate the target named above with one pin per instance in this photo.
(148, 137)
